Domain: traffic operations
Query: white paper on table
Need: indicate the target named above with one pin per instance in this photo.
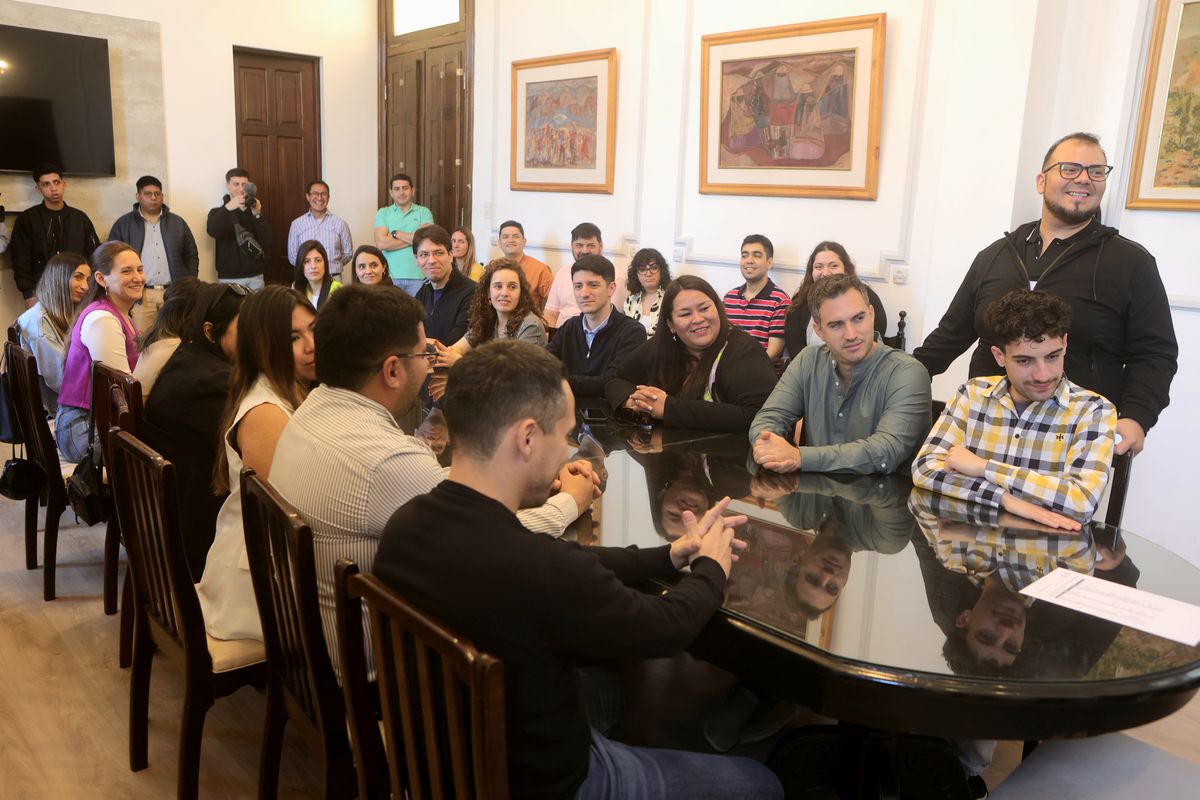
(1124, 605)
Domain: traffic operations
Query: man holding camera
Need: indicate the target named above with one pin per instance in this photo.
(241, 231)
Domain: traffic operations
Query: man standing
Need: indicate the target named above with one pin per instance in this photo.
(864, 404)
(324, 226)
(394, 227)
(540, 605)
(241, 232)
(446, 293)
(590, 344)
(47, 228)
(342, 459)
(512, 244)
(560, 303)
(165, 243)
(758, 306)
(1122, 340)
(1031, 441)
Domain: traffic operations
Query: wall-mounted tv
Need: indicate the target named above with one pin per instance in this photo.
(55, 102)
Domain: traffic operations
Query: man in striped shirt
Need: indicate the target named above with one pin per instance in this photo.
(758, 306)
(1029, 441)
(324, 226)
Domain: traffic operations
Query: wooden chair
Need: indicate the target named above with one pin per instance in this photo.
(31, 413)
(14, 334)
(1122, 467)
(121, 417)
(301, 685)
(104, 378)
(897, 341)
(167, 614)
(442, 699)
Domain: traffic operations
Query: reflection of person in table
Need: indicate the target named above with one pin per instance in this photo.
(435, 433)
(697, 370)
(1029, 441)
(680, 481)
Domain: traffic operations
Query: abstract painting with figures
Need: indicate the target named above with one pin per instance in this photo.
(560, 123)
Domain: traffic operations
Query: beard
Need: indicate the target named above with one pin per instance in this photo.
(1070, 216)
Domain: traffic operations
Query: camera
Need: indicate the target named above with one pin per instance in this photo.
(251, 191)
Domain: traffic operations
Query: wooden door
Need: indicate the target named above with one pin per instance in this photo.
(278, 139)
(404, 129)
(443, 101)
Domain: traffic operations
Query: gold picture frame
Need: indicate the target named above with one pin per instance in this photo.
(1165, 173)
(794, 110)
(564, 123)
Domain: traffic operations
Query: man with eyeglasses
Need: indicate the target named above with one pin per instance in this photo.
(446, 293)
(344, 461)
(322, 225)
(1123, 343)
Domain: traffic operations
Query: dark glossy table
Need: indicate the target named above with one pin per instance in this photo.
(877, 606)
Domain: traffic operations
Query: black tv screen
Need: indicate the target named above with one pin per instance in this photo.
(55, 102)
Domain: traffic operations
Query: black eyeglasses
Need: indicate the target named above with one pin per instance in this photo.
(1070, 170)
(648, 268)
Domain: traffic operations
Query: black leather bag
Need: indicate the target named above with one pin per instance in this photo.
(85, 487)
(10, 428)
(20, 479)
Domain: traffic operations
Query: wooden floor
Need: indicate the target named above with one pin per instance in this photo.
(64, 702)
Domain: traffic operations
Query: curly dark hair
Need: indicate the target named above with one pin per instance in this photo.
(671, 366)
(1022, 314)
(800, 298)
(483, 319)
(647, 255)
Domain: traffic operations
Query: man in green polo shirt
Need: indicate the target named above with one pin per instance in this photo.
(394, 229)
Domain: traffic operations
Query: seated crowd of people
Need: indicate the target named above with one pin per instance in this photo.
(306, 383)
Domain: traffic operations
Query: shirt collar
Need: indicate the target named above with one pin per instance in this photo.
(334, 397)
(865, 365)
(1000, 390)
(766, 290)
(601, 326)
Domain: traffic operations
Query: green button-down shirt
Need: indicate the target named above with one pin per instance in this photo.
(402, 264)
(871, 426)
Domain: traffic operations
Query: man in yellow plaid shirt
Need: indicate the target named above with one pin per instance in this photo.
(1029, 441)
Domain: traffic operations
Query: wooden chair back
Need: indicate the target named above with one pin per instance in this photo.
(442, 699)
(898, 340)
(1122, 468)
(104, 380)
(31, 414)
(147, 504)
(279, 546)
(14, 334)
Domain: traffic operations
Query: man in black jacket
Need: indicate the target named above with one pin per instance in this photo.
(591, 344)
(165, 242)
(1122, 340)
(242, 233)
(48, 228)
(446, 292)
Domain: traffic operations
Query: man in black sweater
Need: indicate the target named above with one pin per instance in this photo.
(241, 231)
(46, 229)
(541, 604)
(1122, 340)
(446, 293)
(591, 344)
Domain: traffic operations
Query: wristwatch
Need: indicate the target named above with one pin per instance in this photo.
(393, 234)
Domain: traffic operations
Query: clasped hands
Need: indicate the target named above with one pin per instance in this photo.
(648, 398)
(773, 452)
(709, 536)
(580, 481)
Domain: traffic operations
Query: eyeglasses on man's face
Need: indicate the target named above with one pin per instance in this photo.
(1071, 170)
(646, 269)
(430, 354)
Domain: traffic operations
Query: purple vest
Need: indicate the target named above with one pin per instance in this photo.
(77, 374)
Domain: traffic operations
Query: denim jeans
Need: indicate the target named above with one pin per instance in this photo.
(409, 285)
(254, 283)
(71, 433)
(641, 773)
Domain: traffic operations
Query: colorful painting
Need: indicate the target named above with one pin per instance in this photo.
(564, 122)
(1165, 173)
(560, 123)
(794, 111)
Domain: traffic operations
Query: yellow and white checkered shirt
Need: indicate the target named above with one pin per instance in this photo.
(1056, 453)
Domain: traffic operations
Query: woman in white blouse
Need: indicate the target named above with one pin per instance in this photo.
(647, 280)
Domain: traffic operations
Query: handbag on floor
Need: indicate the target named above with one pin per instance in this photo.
(20, 479)
(85, 487)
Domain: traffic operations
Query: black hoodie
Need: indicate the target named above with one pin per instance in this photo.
(1121, 340)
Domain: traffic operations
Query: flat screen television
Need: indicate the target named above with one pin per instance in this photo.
(55, 102)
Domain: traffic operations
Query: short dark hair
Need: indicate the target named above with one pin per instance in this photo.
(311, 184)
(148, 180)
(434, 233)
(758, 238)
(597, 264)
(46, 168)
(360, 326)
(832, 287)
(1022, 314)
(236, 172)
(511, 223)
(1077, 136)
(586, 230)
(495, 385)
(400, 176)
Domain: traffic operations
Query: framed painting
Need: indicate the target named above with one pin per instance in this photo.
(1165, 173)
(793, 111)
(564, 122)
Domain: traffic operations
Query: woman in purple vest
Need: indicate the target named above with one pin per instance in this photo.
(104, 332)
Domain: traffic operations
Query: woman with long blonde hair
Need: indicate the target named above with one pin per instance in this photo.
(45, 327)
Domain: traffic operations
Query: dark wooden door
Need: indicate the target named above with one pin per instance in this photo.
(443, 104)
(278, 139)
(404, 129)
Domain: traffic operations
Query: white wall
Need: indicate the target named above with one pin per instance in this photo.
(974, 93)
(197, 41)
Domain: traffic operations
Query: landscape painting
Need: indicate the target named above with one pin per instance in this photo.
(560, 123)
(1178, 161)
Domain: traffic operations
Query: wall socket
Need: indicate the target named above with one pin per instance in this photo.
(899, 275)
